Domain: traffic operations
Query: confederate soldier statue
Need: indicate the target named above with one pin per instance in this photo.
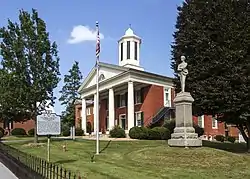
(183, 72)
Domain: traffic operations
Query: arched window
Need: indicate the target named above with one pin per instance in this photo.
(101, 77)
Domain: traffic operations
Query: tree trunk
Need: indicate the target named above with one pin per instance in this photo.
(245, 136)
(248, 136)
(35, 129)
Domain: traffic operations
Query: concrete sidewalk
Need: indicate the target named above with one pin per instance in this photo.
(5, 173)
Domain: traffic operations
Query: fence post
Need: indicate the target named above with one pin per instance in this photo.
(69, 174)
(61, 173)
(65, 173)
(57, 173)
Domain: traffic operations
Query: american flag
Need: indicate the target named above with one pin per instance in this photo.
(98, 48)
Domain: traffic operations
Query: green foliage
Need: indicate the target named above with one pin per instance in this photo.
(170, 125)
(2, 130)
(69, 94)
(215, 38)
(31, 132)
(78, 132)
(199, 130)
(117, 132)
(231, 139)
(30, 60)
(18, 132)
(65, 129)
(159, 133)
(138, 133)
(1, 134)
(220, 138)
(156, 133)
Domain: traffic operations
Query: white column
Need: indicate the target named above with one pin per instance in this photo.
(94, 111)
(111, 109)
(84, 117)
(131, 111)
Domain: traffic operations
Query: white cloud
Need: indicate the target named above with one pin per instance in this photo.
(82, 33)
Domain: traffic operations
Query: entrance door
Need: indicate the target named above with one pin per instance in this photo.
(122, 121)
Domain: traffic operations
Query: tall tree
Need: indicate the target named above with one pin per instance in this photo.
(69, 94)
(29, 56)
(215, 38)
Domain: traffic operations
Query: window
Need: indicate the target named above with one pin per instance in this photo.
(8, 125)
(201, 121)
(138, 97)
(138, 119)
(88, 112)
(214, 122)
(122, 100)
(128, 49)
(121, 51)
(136, 50)
(166, 97)
(122, 121)
(101, 77)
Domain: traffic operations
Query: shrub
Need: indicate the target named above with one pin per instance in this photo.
(79, 132)
(65, 130)
(199, 130)
(117, 132)
(231, 139)
(159, 133)
(2, 130)
(220, 138)
(1, 134)
(138, 132)
(31, 132)
(164, 133)
(170, 125)
(18, 132)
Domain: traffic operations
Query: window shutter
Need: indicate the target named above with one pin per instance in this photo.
(117, 97)
(142, 95)
(142, 119)
(135, 119)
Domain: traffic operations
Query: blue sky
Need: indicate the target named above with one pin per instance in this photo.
(152, 20)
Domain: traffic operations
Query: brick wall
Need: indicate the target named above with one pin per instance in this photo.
(26, 125)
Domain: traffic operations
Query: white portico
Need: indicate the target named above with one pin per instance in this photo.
(124, 79)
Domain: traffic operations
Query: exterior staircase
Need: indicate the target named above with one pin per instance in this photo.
(160, 115)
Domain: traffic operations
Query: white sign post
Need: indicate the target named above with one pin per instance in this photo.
(48, 124)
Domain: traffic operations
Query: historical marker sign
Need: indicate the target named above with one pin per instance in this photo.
(48, 124)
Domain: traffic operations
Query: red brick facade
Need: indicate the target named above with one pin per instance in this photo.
(27, 125)
(152, 101)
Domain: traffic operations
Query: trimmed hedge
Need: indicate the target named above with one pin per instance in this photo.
(18, 132)
(220, 138)
(78, 132)
(138, 133)
(31, 132)
(117, 132)
(156, 133)
(231, 139)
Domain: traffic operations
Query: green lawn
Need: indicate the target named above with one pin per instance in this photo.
(147, 159)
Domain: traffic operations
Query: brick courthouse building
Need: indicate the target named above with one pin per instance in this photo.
(130, 96)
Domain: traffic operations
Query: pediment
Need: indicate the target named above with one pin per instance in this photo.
(106, 71)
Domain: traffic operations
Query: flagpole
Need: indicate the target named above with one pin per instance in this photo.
(97, 87)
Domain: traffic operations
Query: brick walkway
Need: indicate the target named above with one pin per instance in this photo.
(5, 173)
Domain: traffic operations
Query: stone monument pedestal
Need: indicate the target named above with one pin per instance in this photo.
(184, 134)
